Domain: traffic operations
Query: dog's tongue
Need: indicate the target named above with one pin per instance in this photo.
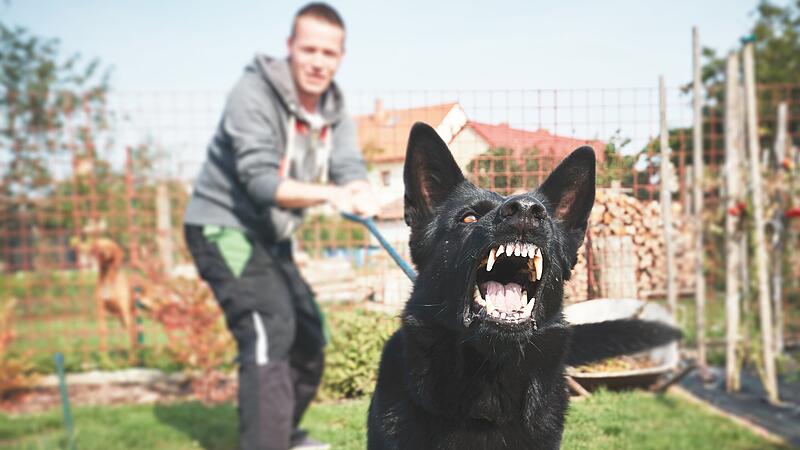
(506, 297)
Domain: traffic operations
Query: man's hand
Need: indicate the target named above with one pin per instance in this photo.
(341, 199)
(362, 199)
(355, 197)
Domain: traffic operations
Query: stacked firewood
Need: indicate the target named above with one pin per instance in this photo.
(621, 222)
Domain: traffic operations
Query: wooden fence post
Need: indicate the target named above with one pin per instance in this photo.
(764, 301)
(779, 225)
(697, 191)
(164, 227)
(733, 234)
(133, 250)
(666, 200)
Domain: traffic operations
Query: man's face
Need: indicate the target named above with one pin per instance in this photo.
(315, 51)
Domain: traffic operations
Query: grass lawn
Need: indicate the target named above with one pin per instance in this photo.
(78, 338)
(606, 421)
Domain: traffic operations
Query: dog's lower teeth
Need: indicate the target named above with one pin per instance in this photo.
(529, 307)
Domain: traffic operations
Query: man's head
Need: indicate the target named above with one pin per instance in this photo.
(316, 47)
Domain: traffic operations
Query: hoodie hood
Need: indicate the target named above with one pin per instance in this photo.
(278, 75)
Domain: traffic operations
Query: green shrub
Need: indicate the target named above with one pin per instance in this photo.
(354, 352)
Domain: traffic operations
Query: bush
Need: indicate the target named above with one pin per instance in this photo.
(354, 352)
(14, 371)
(197, 340)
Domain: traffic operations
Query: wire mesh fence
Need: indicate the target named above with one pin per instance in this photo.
(118, 168)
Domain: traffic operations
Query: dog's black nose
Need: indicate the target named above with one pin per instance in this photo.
(522, 213)
(522, 207)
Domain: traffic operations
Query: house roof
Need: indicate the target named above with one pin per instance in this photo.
(503, 136)
(383, 135)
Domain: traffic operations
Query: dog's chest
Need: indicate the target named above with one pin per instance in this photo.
(497, 411)
(440, 433)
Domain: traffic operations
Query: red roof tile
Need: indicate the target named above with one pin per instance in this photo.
(383, 135)
(519, 141)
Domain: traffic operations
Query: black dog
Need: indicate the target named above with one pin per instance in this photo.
(479, 360)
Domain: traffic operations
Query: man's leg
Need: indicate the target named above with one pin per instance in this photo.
(266, 395)
(257, 301)
(307, 356)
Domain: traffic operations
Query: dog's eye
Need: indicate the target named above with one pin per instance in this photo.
(470, 218)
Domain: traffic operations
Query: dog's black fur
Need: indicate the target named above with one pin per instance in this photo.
(453, 378)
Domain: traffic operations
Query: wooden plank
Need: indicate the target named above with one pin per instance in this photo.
(666, 201)
(697, 202)
(756, 187)
(164, 227)
(779, 225)
(617, 264)
(733, 234)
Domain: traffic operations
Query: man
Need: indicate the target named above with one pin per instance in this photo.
(283, 136)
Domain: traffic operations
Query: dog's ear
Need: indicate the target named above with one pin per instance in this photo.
(570, 192)
(430, 173)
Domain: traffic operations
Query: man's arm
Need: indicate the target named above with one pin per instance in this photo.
(354, 197)
(293, 194)
(347, 169)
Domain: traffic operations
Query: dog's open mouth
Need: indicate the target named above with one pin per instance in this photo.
(506, 283)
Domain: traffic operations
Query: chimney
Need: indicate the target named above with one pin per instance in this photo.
(380, 115)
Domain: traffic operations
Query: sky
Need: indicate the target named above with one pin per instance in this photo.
(203, 44)
(172, 62)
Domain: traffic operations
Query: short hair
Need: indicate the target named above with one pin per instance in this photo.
(321, 11)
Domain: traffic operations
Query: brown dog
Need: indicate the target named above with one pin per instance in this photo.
(113, 290)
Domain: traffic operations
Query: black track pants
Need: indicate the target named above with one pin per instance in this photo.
(271, 312)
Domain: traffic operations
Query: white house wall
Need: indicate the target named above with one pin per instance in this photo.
(466, 146)
(395, 188)
(452, 123)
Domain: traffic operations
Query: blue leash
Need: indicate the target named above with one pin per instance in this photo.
(370, 224)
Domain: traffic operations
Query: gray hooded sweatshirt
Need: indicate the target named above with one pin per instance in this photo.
(264, 136)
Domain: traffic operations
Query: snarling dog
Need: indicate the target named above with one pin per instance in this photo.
(479, 361)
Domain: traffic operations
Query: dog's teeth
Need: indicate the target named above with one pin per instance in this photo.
(524, 251)
(517, 250)
(537, 263)
(529, 308)
(531, 250)
(500, 249)
(490, 261)
(509, 249)
(524, 297)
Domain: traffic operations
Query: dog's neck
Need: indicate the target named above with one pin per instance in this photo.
(109, 267)
(490, 380)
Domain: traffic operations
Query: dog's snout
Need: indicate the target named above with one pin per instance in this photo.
(521, 207)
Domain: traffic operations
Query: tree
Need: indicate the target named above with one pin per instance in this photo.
(776, 33)
(52, 108)
(41, 94)
(776, 38)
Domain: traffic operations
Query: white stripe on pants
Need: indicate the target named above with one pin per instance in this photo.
(262, 345)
